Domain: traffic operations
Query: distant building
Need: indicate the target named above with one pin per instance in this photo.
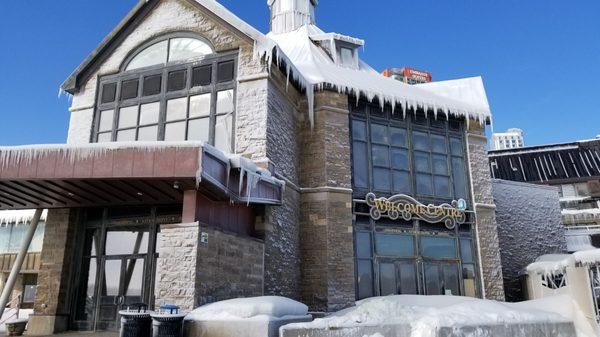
(511, 139)
(408, 75)
(572, 167)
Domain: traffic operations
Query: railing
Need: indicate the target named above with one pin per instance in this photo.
(31, 264)
(15, 307)
(583, 227)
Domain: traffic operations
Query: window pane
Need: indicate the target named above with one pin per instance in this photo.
(451, 282)
(456, 147)
(381, 179)
(438, 247)
(109, 92)
(198, 129)
(420, 141)
(361, 173)
(126, 135)
(129, 89)
(225, 71)
(152, 85)
(395, 245)
(149, 113)
(440, 164)
(223, 133)
(400, 159)
(466, 251)
(422, 162)
(380, 155)
(424, 184)
(128, 117)
(442, 186)
(106, 120)
(155, 54)
(358, 130)
(387, 279)
(347, 56)
(175, 131)
(123, 242)
(460, 180)
(379, 134)
(202, 76)
(398, 137)
(149, 133)
(177, 80)
(105, 137)
(225, 101)
(408, 279)
(468, 275)
(432, 280)
(182, 49)
(401, 182)
(438, 144)
(176, 109)
(200, 105)
(365, 279)
(363, 245)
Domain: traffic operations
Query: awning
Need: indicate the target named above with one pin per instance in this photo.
(117, 174)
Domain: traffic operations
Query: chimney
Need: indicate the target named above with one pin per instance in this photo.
(289, 15)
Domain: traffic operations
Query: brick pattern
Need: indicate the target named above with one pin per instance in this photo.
(487, 229)
(228, 266)
(177, 248)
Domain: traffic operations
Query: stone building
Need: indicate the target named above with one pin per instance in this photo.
(206, 160)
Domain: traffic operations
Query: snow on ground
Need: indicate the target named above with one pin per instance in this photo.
(425, 314)
(255, 308)
(23, 314)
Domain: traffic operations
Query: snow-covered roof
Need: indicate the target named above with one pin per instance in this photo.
(19, 217)
(557, 263)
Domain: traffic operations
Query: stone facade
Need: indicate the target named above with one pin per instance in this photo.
(529, 225)
(52, 302)
(485, 217)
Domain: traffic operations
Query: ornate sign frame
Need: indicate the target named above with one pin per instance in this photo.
(407, 208)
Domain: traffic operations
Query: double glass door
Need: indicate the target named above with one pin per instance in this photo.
(409, 277)
(116, 269)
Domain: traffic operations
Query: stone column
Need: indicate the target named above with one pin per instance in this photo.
(327, 282)
(177, 248)
(486, 227)
(52, 302)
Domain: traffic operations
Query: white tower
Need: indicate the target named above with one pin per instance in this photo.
(289, 15)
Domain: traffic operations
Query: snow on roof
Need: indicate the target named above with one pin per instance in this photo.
(557, 263)
(317, 70)
(265, 307)
(336, 36)
(469, 90)
(426, 314)
(19, 217)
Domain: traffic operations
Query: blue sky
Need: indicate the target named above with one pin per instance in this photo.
(540, 59)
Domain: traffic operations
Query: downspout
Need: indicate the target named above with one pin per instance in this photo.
(16, 269)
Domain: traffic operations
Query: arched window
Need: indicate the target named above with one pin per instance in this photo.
(169, 50)
(174, 89)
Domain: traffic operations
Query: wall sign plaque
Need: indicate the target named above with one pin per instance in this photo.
(407, 208)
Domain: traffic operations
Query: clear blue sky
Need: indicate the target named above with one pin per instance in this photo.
(540, 59)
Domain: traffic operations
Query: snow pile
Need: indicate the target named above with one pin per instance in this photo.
(255, 308)
(19, 217)
(426, 314)
(557, 263)
(587, 257)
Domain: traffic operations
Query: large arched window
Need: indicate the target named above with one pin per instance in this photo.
(174, 89)
(169, 50)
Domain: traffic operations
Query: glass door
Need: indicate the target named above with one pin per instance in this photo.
(441, 278)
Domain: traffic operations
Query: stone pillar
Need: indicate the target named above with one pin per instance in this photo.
(177, 248)
(327, 282)
(52, 302)
(485, 215)
(17, 290)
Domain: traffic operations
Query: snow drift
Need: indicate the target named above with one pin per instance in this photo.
(254, 308)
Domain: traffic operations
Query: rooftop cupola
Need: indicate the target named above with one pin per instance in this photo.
(289, 15)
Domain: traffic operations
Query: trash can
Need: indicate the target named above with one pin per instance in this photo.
(167, 322)
(136, 322)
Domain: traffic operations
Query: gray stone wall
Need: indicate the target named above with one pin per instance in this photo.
(228, 266)
(529, 225)
(486, 227)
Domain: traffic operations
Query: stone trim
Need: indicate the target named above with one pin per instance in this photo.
(477, 136)
(485, 206)
(332, 109)
(80, 108)
(254, 77)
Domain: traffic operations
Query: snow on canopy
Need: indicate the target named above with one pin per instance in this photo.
(426, 314)
(19, 217)
(553, 264)
(267, 307)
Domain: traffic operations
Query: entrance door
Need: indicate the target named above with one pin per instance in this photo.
(441, 278)
(398, 277)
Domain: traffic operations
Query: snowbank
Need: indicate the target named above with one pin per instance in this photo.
(255, 308)
(426, 314)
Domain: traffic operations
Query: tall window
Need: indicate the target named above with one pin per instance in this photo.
(418, 156)
(175, 89)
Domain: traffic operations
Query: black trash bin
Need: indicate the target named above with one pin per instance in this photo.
(167, 322)
(136, 322)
